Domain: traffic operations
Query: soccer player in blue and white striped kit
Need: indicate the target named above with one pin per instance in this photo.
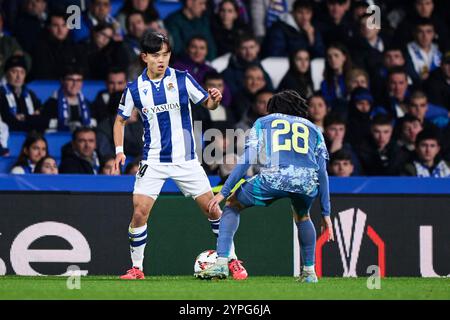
(162, 96)
(293, 158)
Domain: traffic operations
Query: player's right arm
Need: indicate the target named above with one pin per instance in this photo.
(126, 106)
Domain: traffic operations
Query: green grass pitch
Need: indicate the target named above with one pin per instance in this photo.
(189, 288)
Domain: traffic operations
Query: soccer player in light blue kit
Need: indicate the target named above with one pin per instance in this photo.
(294, 158)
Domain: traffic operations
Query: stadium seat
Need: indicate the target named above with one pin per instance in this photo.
(44, 89)
(167, 7)
(6, 164)
(116, 5)
(56, 141)
(220, 63)
(15, 143)
(317, 68)
(276, 67)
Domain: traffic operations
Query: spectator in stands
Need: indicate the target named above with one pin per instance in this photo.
(253, 82)
(357, 78)
(334, 134)
(427, 162)
(31, 23)
(368, 46)
(258, 110)
(294, 31)
(341, 164)
(189, 21)
(116, 82)
(227, 27)
(242, 11)
(338, 64)
(133, 131)
(80, 156)
(359, 116)
(337, 24)
(133, 167)
(410, 127)
(380, 155)
(194, 59)
(47, 165)
(34, 149)
(220, 118)
(8, 47)
(55, 50)
(437, 85)
(135, 26)
(19, 106)
(107, 167)
(99, 12)
(246, 55)
(317, 110)
(103, 52)
(429, 115)
(68, 109)
(298, 77)
(4, 136)
(393, 58)
(423, 9)
(145, 7)
(423, 55)
(265, 12)
(395, 103)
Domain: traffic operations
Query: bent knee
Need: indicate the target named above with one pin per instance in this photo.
(234, 203)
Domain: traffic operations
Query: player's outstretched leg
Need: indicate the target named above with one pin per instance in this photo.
(307, 240)
(137, 234)
(220, 270)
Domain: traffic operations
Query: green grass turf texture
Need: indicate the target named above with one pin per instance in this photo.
(189, 288)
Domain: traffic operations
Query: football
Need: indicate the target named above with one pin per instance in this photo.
(204, 260)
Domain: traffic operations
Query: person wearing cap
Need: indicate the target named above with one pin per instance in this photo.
(359, 116)
(19, 106)
(437, 86)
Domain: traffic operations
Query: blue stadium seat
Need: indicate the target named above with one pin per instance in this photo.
(6, 164)
(116, 5)
(15, 142)
(167, 7)
(56, 141)
(44, 89)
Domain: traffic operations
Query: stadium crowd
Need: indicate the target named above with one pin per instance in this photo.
(383, 103)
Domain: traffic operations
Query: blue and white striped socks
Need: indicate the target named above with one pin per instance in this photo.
(138, 240)
(215, 229)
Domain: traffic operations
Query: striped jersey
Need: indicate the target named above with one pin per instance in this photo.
(165, 110)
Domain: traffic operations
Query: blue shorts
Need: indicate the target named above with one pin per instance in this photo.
(255, 192)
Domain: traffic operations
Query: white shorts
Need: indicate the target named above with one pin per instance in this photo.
(189, 177)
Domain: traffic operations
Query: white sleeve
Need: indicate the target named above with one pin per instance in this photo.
(196, 93)
(17, 170)
(126, 104)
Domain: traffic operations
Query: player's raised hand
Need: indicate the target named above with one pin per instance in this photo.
(215, 95)
(120, 160)
(213, 204)
(327, 226)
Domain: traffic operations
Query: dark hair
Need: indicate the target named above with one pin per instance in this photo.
(196, 37)
(336, 1)
(153, 41)
(244, 38)
(288, 102)
(115, 70)
(38, 168)
(428, 134)
(102, 26)
(132, 13)
(56, 14)
(394, 47)
(70, 69)
(149, 14)
(333, 118)
(381, 120)
(341, 155)
(104, 161)
(81, 130)
(130, 165)
(212, 75)
(423, 22)
(397, 70)
(328, 72)
(31, 139)
(302, 4)
(233, 3)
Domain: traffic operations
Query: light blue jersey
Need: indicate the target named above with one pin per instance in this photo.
(293, 157)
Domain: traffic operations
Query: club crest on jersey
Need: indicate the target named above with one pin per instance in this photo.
(145, 91)
(170, 86)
